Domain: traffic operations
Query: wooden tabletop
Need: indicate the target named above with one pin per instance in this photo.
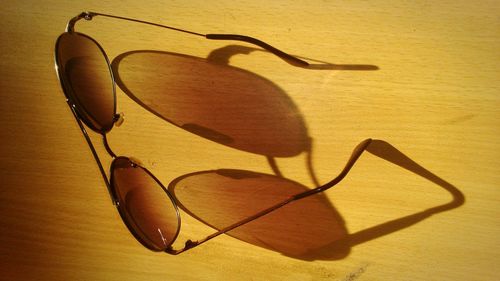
(419, 79)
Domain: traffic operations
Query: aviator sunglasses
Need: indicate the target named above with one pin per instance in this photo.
(147, 208)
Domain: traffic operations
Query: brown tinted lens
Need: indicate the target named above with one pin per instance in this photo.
(145, 206)
(85, 73)
(306, 229)
(225, 104)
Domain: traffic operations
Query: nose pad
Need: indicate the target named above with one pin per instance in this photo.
(119, 118)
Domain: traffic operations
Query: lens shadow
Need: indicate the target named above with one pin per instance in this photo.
(300, 229)
(222, 103)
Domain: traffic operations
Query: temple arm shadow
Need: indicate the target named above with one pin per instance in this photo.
(386, 151)
(223, 55)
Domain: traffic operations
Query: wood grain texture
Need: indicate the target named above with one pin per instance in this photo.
(433, 98)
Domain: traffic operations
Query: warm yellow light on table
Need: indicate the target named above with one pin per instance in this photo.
(420, 79)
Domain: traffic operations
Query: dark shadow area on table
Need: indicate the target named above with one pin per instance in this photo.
(223, 55)
(225, 104)
(245, 111)
(307, 229)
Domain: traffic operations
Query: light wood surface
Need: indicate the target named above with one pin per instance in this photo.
(422, 78)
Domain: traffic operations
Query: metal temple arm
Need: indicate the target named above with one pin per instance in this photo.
(284, 56)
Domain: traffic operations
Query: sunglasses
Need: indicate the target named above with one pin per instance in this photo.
(146, 207)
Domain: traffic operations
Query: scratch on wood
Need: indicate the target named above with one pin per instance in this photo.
(356, 273)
